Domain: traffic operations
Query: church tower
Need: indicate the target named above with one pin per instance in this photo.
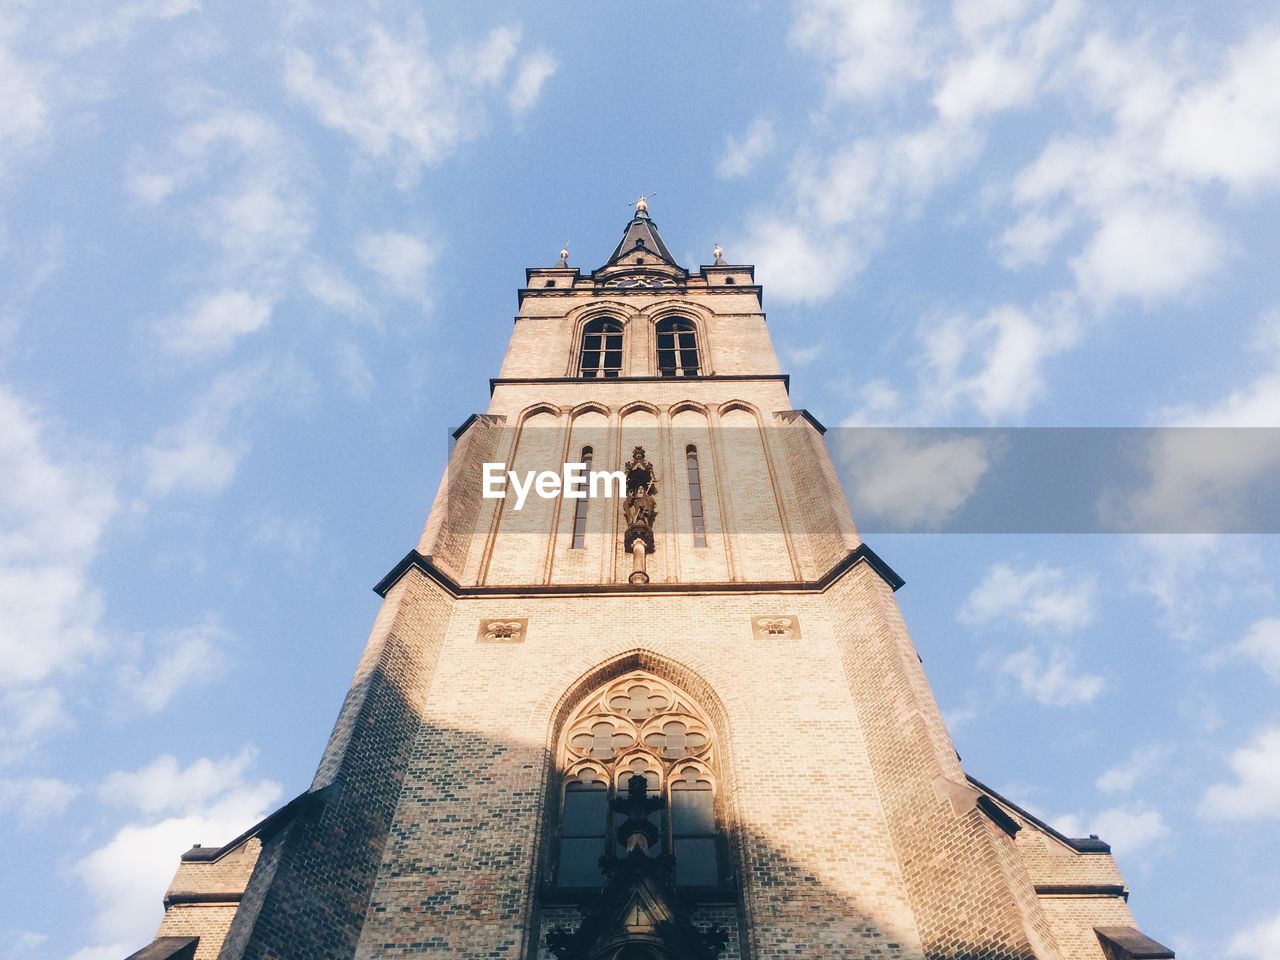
(678, 718)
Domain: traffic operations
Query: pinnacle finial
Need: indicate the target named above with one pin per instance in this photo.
(641, 203)
(718, 253)
(564, 256)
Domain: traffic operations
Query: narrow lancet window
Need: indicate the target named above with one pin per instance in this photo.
(601, 348)
(580, 510)
(695, 497)
(677, 348)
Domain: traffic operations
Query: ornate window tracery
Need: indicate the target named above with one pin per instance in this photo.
(601, 348)
(642, 726)
(677, 348)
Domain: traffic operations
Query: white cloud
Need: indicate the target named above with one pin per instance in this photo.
(1043, 597)
(164, 787)
(990, 80)
(1193, 577)
(1127, 829)
(1262, 645)
(83, 32)
(1051, 678)
(871, 46)
(181, 657)
(996, 362)
(209, 802)
(1256, 793)
(36, 798)
(26, 941)
(1141, 763)
(1258, 942)
(1229, 129)
(401, 260)
(797, 264)
(903, 479)
(1147, 251)
(298, 536)
(1031, 238)
(534, 71)
(201, 453)
(1199, 477)
(401, 103)
(214, 322)
(24, 91)
(29, 716)
(741, 155)
(326, 283)
(354, 370)
(242, 183)
(54, 506)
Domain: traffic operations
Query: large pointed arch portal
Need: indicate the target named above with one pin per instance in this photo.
(640, 814)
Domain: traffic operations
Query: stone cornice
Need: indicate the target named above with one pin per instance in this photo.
(415, 560)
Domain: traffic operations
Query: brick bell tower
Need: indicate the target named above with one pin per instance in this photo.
(681, 718)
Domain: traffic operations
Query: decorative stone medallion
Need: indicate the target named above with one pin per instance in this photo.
(512, 630)
(777, 627)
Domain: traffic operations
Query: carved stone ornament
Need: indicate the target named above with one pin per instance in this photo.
(777, 627)
(511, 630)
(641, 506)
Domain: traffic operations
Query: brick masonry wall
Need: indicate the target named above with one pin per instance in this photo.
(818, 870)
(310, 890)
(970, 891)
(209, 922)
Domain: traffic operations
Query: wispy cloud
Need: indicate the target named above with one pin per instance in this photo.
(1258, 941)
(741, 154)
(1128, 829)
(1140, 764)
(401, 260)
(404, 103)
(208, 801)
(532, 74)
(55, 503)
(1255, 794)
(212, 323)
(177, 658)
(33, 799)
(1051, 678)
(1043, 596)
(201, 453)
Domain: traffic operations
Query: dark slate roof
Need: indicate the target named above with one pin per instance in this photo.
(1129, 943)
(1078, 844)
(167, 948)
(641, 233)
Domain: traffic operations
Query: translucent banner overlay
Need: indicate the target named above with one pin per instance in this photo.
(755, 479)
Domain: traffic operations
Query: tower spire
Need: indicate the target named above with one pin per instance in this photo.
(641, 237)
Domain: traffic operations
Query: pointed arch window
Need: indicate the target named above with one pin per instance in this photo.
(677, 348)
(639, 726)
(699, 521)
(601, 348)
(580, 510)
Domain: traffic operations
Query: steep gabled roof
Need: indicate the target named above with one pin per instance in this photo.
(641, 235)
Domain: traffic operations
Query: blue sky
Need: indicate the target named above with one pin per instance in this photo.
(256, 262)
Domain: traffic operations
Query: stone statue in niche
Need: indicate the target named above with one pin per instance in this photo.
(640, 508)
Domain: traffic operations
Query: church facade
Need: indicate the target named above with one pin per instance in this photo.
(679, 718)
